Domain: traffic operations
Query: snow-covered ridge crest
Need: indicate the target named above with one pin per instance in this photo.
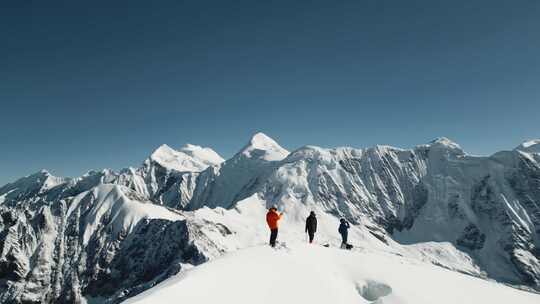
(263, 147)
(313, 274)
(202, 153)
(530, 146)
(443, 142)
(190, 158)
(38, 182)
(123, 206)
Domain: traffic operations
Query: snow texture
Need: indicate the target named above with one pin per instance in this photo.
(314, 274)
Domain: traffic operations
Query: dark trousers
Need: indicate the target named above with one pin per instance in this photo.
(311, 235)
(344, 238)
(273, 237)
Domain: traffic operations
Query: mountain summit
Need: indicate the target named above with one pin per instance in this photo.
(188, 158)
(444, 141)
(263, 147)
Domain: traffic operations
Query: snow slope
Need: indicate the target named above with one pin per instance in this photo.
(122, 211)
(314, 274)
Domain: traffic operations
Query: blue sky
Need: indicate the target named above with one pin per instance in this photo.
(101, 84)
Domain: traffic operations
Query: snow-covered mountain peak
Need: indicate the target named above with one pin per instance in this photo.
(260, 138)
(49, 180)
(263, 147)
(443, 145)
(40, 176)
(44, 172)
(203, 153)
(444, 141)
(34, 183)
(312, 153)
(190, 158)
(162, 152)
(530, 146)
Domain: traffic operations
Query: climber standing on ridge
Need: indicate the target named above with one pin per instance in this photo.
(272, 218)
(344, 231)
(311, 226)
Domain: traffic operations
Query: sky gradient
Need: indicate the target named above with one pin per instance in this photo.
(101, 84)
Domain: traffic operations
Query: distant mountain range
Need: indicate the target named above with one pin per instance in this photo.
(106, 236)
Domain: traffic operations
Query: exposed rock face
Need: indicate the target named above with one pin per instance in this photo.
(471, 238)
(102, 243)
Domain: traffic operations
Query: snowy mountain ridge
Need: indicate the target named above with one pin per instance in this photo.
(106, 236)
(531, 146)
(189, 158)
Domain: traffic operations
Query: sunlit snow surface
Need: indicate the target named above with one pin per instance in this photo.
(188, 158)
(301, 273)
(263, 147)
(125, 212)
(314, 274)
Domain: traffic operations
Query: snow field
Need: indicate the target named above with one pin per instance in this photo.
(304, 273)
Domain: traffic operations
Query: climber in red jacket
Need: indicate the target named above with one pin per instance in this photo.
(272, 219)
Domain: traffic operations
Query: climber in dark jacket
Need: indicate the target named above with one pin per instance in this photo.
(311, 226)
(344, 231)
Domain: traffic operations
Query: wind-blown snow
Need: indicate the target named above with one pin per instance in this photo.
(314, 274)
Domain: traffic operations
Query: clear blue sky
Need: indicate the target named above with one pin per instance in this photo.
(100, 84)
